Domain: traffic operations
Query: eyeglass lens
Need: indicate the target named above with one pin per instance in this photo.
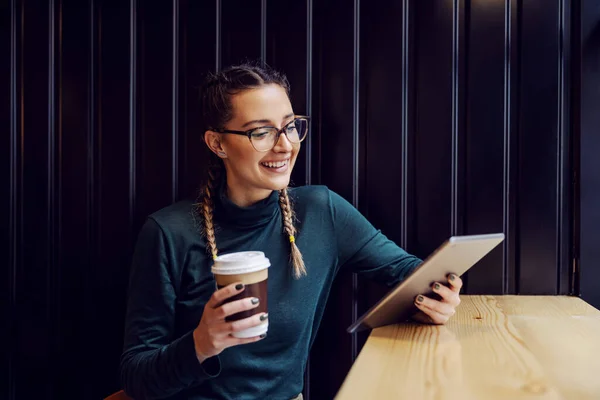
(263, 139)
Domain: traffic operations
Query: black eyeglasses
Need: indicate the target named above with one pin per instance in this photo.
(265, 138)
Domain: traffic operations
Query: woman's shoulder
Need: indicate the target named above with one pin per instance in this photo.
(317, 198)
(311, 195)
(177, 218)
(316, 195)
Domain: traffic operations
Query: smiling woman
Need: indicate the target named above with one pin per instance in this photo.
(179, 339)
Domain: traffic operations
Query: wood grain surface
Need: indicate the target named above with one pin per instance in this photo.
(495, 347)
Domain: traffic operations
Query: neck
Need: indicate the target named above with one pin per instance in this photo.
(243, 197)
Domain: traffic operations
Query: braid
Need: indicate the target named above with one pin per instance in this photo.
(207, 207)
(290, 230)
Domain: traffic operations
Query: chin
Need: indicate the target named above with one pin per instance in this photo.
(279, 184)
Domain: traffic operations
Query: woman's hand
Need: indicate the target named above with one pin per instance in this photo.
(213, 333)
(439, 311)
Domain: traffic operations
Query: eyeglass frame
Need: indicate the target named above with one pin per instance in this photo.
(249, 132)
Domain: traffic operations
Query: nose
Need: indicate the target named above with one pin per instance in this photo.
(283, 145)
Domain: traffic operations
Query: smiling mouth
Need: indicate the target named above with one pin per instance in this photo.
(275, 164)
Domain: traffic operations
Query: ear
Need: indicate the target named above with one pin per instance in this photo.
(213, 141)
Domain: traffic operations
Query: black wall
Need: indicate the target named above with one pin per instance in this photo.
(433, 117)
(589, 231)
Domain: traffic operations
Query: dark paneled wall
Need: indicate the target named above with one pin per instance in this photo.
(432, 117)
(589, 232)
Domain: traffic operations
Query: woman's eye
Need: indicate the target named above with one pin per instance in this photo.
(260, 134)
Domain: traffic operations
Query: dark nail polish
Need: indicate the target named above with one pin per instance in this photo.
(255, 300)
(264, 316)
(239, 286)
(264, 335)
(436, 286)
(420, 299)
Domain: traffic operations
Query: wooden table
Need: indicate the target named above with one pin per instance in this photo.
(495, 347)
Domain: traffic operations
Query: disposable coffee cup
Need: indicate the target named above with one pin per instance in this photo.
(251, 269)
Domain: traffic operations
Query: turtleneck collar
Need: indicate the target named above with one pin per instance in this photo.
(256, 214)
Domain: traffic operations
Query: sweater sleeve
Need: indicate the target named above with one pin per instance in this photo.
(154, 363)
(366, 250)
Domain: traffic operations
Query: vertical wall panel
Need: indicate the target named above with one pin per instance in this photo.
(433, 125)
(176, 116)
(9, 173)
(590, 148)
(311, 139)
(564, 175)
(510, 145)
(485, 137)
(93, 169)
(335, 99)
(33, 334)
(335, 91)
(53, 181)
(154, 99)
(75, 177)
(134, 110)
(198, 55)
(538, 150)
(457, 170)
(387, 120)
(113, 236)
(240, 31)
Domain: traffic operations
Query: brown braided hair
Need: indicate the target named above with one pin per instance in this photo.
(288, 225)
(217, 111)
(206, 206)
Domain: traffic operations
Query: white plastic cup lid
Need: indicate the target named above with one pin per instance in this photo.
(242, 262)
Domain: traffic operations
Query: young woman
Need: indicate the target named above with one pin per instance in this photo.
(177, 342)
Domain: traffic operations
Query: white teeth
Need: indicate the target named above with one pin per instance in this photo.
(277, 164)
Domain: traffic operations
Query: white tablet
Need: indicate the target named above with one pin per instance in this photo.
(456, 255)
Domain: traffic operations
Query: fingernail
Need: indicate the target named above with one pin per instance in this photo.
(254, 300)
(420, 299)
(239, 286)
(452, 277)
(264, 316)
(264, 335)
(436, 286)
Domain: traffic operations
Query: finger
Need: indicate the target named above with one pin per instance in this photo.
(232, 341)
(249, 322)
(223, 294)
(437, 306)
(220, 341)
(448, 295)
(422, 318)
(435, 316)
(235, 307)
(223, 329)
(227, 328)
(455, 282)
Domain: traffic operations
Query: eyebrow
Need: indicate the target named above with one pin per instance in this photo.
(264, 121)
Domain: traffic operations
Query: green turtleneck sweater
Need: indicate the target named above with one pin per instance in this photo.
(171, 282)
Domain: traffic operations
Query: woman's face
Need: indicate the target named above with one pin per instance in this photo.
(249, 176)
